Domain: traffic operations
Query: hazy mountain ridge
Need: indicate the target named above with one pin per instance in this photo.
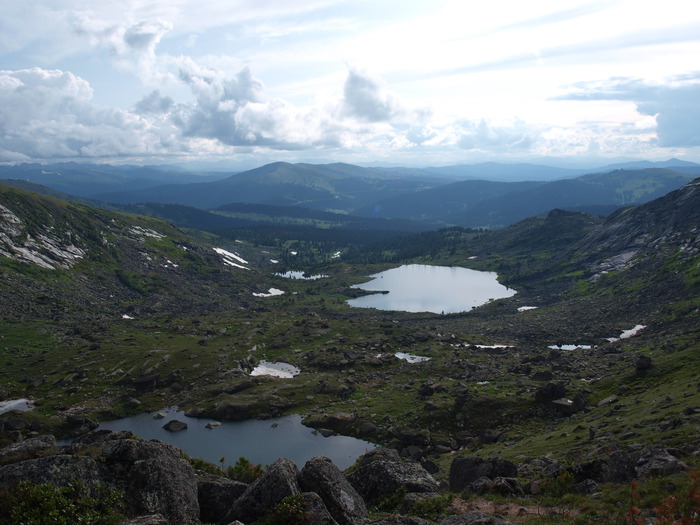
(498, 204)
(390, 193)
(88, 180)
(331, 187)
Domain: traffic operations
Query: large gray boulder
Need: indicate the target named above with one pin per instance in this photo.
(29, 448)
(381, 472)
(278, 482)
(215, 495)
(60, 471)
(154, 478)
(464, 471)
(315, 512)
(321, 476)
(656, 461)
(617, 467)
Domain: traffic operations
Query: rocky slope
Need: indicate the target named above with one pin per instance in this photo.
(81, 261)
(154, 483)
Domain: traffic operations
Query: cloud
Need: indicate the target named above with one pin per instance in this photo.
(675, 104)
(48, 114)
(487, 137)
(366, 98)
(154, 103)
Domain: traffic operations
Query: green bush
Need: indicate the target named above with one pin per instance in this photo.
(244, 471)
(289, 510)
(43, 504)
(432, 508)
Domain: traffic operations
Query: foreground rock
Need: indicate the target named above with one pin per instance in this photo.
(215, 495)
(321, 476)
(152, 475)
(278, 482)
(382, 472)
(158, 486)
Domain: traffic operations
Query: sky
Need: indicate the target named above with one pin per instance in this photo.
(402, 82)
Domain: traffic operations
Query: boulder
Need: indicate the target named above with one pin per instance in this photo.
(97, 438)
(215, 495)
(466, 470)
(321, 476)
(542, 375)
(60, 471)
(474, 518)
(550, 392)
(154, 478)
(278, 482)
(587, 486)
(315, 512)
(175, 426)
(643, 363)
(542, 466)
(381, 472)
(482, 485)
(616, 467)
(656, 461)
(488, 436)
(29, 448)
(508, 487)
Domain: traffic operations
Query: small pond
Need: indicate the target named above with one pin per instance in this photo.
(261, 441)
(437, 289)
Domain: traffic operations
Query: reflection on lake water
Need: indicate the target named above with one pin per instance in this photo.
(437, 289)
(261, 441)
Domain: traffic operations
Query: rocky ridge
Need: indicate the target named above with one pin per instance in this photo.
(157, 484)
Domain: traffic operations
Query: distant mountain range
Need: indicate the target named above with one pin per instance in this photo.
(488, 195)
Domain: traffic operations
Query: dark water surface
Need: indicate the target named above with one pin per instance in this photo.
(261, 441)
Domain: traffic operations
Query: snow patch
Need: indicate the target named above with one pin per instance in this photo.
(271, 292)
(526, 308)
(300, 275)
(232, 259)
(628, 333)
(146, 232)
(22, 405)
(278, 369)
(411, 358)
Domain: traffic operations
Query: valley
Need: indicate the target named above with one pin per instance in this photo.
(107, 314)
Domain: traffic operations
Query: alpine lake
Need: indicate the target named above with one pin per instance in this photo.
(408, 288)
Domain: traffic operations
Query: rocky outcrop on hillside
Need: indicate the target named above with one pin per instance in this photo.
(157, 485)
(661, 227)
